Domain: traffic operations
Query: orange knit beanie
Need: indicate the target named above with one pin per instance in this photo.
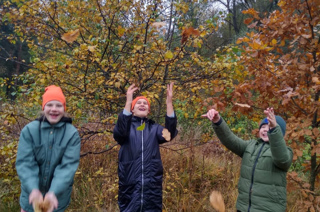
(136, 99)
(53, 92)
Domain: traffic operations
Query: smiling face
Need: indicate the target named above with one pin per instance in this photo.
(141, 108)
(53, 111)
(263, 132)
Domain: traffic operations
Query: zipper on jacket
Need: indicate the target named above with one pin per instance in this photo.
(142, 168)
(252, 175)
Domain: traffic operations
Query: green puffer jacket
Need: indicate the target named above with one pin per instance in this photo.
(47, 159)
(262, 183)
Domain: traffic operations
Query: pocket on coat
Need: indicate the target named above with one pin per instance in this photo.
(127, 173)
(57, 154)
(40, 154)
(156, 170)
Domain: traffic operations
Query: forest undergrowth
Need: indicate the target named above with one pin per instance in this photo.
(192, 170)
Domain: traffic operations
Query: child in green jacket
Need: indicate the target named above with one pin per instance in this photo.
(48, 156)
(264, 165)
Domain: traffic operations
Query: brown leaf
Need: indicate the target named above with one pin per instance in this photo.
(70, 36)
(45, 206)
(187, 32)
(248, 21)
(41, 207)
(217, 202)
(166, 134)
(299, 153)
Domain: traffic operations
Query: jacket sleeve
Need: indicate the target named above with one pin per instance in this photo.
(281, 154)
(65, 171)
(26, 165)
(229, 139)
(122, 129)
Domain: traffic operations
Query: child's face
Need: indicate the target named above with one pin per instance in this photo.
(141, 108)
(263, 132)
(53, 111)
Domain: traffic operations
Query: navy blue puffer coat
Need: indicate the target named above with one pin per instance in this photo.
(140, 167)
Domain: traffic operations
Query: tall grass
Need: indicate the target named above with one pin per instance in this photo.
(192, 169)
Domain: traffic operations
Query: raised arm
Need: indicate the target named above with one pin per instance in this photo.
(122, 128)
(281, 154)
(169, 99)
(225, 135)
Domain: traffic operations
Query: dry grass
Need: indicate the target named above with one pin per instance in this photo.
(192, 170)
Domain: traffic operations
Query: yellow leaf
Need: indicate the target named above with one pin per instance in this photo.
(274, 42)
(70, 36)
(168, 55)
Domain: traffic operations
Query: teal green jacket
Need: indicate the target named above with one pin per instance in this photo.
(262, 183)
(47, 159)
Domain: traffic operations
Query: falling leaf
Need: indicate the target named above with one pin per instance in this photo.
(70, 36)
(243, 105)
(187, 32)
(166, 134)
(168, 55)
(217, 202)
(141, 127)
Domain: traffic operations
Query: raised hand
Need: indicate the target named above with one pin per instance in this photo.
(169, 99)
(269, 112)
(169, 92)
(130, 92)
(212, 115)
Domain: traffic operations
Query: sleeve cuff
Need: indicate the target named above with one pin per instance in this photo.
(126, 113)
(218, 123)
(171, 115)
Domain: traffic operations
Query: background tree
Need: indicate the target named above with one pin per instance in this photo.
(282, 60)
(95, 49)
(14, 58)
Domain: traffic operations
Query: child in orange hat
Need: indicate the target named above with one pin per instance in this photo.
(140, 167)
(48, 156)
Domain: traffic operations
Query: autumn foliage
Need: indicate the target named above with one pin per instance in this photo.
(95, 49)
(282, 60)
